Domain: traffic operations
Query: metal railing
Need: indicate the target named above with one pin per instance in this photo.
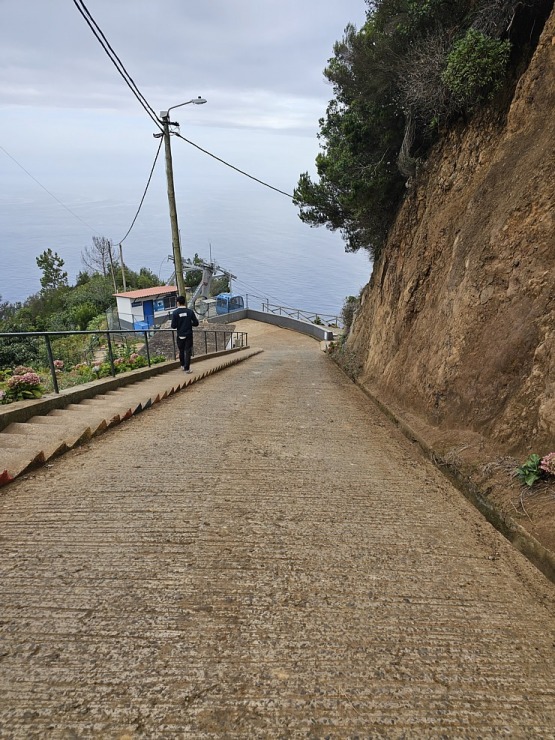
(320, 319)
(209, 340)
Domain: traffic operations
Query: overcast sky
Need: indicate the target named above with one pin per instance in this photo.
(69, 119)
(259, 62)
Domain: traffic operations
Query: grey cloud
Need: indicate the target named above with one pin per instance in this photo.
(241, 48)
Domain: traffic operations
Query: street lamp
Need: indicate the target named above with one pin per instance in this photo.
(176, 247)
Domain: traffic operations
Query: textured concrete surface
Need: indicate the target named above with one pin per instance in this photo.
(54, 430)
(264, 555)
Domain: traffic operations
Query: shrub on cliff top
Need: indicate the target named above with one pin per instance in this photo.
(475, 68)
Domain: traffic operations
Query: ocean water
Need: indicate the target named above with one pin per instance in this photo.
(248, 229)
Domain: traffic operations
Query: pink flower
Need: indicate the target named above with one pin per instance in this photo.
(547, 463)
(22, 369)
(26, 379)
(59, 364)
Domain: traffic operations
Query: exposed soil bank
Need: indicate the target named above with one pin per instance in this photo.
(456, 331)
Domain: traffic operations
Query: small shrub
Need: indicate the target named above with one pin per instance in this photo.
(83, 369)
(138, 360)
(475, 68)
(101, 370)
(348, 311)
(23, 387)
(529, 472)
(157, 359)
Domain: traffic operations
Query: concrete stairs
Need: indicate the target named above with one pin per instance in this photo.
(53, 431)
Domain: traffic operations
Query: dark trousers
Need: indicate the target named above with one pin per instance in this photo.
(185, 347)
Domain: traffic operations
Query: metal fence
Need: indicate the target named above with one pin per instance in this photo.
(73, 347)
(320, 319)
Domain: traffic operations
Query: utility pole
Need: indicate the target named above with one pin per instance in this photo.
(176, 244)
(176, 247)
(112, 267)
(122, 268)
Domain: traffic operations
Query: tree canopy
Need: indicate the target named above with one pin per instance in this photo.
(413, 67)
(59, 306)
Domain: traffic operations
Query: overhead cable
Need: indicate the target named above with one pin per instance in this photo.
(116, 61)
(48, 191)
(233, 167)
(144, 194)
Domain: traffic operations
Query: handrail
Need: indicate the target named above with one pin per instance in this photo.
(236, 338)
(300, 314)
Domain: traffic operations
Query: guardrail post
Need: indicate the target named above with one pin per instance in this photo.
(51, 363)
(174, 344)
(111, 355)
(205, 343)
(147, 348)
(216, 339)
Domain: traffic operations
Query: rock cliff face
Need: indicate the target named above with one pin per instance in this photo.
(457, 324)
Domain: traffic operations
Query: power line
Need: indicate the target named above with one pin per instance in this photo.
(227, 164)
(48, 191)
(116, 61)
(144, 194)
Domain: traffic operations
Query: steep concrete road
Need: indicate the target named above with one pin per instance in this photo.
(264, 556)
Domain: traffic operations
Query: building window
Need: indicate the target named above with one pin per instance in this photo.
(170, 302)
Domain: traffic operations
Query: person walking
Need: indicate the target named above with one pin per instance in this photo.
(183, 319)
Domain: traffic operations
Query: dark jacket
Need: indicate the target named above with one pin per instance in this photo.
(183, 319)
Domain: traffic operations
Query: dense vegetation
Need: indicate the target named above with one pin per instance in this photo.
(414, 68)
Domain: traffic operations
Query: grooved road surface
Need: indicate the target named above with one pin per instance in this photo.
(264, 555)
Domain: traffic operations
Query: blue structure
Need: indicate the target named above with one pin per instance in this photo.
(228, 302)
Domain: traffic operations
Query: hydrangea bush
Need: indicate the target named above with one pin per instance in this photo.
(25, 386)
(547, 463)
(23, 382)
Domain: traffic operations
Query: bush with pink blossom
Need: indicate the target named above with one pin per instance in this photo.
(28, 385)
(547, 463)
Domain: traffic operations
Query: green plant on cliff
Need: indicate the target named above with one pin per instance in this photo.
(475, 68)
(530, 472)
(536, 467)
(348, 311)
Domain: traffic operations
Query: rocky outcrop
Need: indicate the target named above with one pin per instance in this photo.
(457, 324)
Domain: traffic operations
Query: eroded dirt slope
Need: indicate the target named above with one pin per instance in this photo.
(457, 326)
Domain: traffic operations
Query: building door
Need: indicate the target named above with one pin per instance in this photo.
(148, 311)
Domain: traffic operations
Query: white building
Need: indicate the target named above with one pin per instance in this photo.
(143, 309)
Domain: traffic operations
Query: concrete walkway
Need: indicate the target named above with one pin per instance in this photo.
(264, 556)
